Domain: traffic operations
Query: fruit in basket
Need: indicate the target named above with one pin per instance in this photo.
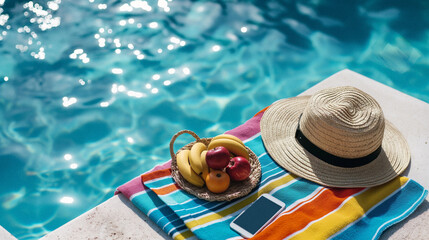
(228, 136)
(233, 146)
(206, 170)
(217, 181)
(218, 157)
(238, 168)
(195, 157)
(185, 169)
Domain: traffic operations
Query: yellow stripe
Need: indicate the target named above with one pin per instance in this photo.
(184, 235)
(351, 211)
(239, 205)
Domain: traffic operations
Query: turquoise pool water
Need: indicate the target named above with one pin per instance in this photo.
(91, 91)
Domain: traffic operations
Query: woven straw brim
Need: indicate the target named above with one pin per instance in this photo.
(278, 128)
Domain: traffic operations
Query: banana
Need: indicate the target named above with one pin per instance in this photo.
(195, 157)
(231, 145)
(229, 136)
(205, 171)
(186, 170)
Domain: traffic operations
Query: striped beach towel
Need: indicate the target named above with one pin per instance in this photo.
(312, 211)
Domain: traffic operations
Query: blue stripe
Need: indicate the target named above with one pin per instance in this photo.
(145, 203)
(219, 230)
(161, 182)
(393, 209)
(172, 223)
(256, 145)
(162, 215)
(175, 197)
(295, 191)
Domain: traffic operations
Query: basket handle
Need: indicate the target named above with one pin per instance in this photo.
(173, 155)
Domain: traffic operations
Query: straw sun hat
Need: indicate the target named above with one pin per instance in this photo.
(337, 137)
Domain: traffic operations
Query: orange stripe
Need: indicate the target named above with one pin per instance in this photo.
(156, 174)
(166, 190)
(263, 110)
(292, 222)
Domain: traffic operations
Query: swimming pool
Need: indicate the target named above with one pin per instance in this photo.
(91, 91)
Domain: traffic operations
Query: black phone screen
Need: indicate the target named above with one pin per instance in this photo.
(257, 215)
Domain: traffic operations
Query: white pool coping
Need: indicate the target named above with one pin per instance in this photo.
(118, 218)
(5, 235)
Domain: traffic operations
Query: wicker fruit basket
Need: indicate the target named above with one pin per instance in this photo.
(235, 190)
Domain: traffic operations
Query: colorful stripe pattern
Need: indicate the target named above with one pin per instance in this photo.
(312, 211)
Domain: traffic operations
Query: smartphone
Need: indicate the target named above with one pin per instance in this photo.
(257, 216)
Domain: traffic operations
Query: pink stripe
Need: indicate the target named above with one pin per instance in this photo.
(131, 187)
(136, 185)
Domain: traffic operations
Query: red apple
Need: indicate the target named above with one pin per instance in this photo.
(218, 157)
(238, 168)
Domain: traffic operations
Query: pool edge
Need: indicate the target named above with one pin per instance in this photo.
(116, 218)
(5, 235)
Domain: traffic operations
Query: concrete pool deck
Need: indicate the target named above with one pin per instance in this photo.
(118, 218)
